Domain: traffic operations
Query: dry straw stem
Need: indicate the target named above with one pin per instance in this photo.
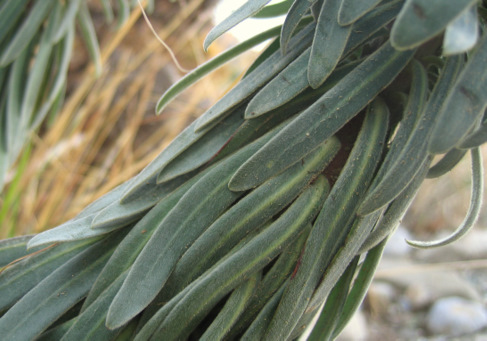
(88, 151)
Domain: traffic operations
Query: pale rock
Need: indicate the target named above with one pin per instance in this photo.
(456, 316)
(422, 287)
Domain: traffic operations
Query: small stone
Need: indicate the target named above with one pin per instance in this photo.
(380, 297)
(455, 316)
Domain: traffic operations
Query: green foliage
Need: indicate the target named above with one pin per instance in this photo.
(259, 212)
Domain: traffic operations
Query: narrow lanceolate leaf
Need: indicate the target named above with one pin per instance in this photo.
(25, 34)
(329, 316)
(288, 84)
(89, 35)
(274, 10)
(411, 116)
(420, 21)
(67, 20)
(325, 117)
(125, 254)
(447, 162)
(358, 233)
(10, 12)
(293, 80)
(146, 179)
(332, 224)
(476, 139)
(18, 278)
(120, 214)
(473, 210)
(296, 13)
(252, 212)
(395, 211)
(263, 73)
(72, 230)
(329, 43)
(203, 151)
(464, 105)
(360, 287)
(55, 294)
(65, 48)
(372, 22)
(250, 8)
(462, 33)
(271, 283)
(90, 324)
(415, 151)
(225, 276)
(258, 327)
(232, 310)
(12, 249)
(351, 11)
(196, 210)
(211, 65)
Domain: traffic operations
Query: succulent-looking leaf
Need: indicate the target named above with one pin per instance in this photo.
(56, 293)
(359, 287)
(328, 45)
(464, 105)
(213, 286)
(248, 9)
(296, 13)
(212, 65)
(414, 153)
(473, 210)
(247, 86)
(332, 310)
(333, 223)
(420, 20)
(324, 118)
(447, 162)
(351, 11)
(274, 10)
(190, 217)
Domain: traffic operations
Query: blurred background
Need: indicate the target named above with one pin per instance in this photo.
(107, 131)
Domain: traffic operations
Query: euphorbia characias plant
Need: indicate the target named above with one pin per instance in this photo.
(275, 205)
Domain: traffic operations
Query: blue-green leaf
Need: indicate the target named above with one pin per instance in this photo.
(250, 8)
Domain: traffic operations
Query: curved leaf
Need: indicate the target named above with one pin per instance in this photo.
(250, 8)
(351, 10)
(464, 105)
(333, 222)
(325, 117)
(212, 65)
(328, 45)
(420, 20)
(296, 13)
(473, 210)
